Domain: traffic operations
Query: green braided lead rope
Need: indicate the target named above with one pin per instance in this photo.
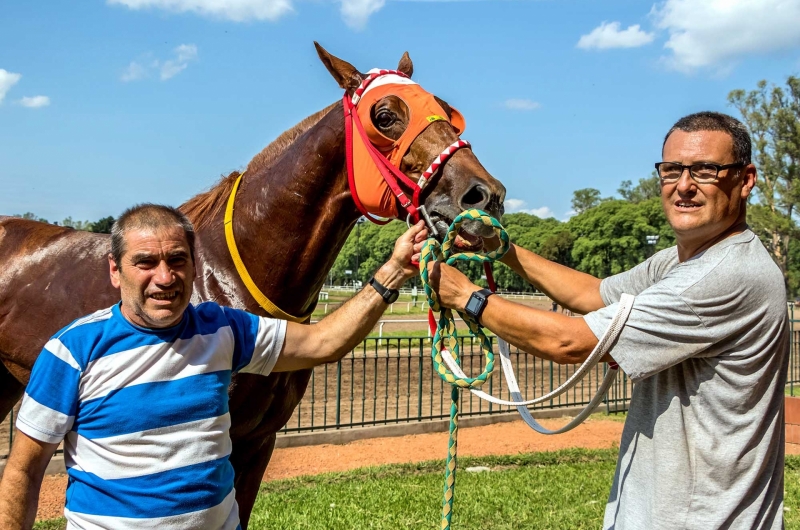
(446, 331)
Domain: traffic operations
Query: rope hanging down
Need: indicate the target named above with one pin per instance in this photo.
(446, 330)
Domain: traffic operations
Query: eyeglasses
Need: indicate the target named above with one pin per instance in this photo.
(702, 172)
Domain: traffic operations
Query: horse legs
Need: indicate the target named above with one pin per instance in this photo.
(250, 459)
(10, 391)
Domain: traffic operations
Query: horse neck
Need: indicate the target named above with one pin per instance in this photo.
(291, 219)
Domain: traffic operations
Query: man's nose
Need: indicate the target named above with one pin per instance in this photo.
(685, 182)
(163, 274)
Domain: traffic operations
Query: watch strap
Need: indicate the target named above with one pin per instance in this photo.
(388, 295)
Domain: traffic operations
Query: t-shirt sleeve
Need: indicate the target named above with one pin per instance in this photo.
(258, 341)
(51, 397)
(662, 331)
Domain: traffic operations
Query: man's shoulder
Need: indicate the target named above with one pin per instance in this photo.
(209, 316)
(738, 266)
(80, 337)
(91, 323)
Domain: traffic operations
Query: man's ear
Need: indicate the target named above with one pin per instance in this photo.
(113, 271)
(749, 178)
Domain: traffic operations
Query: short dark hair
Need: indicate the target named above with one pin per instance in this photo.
(152, 216)
(716, 121)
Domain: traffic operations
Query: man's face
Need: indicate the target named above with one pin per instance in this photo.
(698, 213)
(154, 276)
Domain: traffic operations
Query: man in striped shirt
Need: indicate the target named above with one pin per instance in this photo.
(168, 468)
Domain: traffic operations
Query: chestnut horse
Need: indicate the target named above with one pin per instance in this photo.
(294, 210)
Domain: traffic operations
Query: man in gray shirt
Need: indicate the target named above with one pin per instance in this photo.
(706, 344)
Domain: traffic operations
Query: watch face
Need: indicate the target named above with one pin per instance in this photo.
(473, 305)
(393, 297)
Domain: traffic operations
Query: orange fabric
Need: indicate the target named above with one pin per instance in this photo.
(373, 191)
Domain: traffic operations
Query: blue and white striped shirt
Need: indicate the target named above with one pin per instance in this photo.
(144, 414)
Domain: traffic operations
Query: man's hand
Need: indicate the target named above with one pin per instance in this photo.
(452, 287)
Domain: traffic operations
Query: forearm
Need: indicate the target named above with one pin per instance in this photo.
(19, 498)
(574, 290)
(346, 327)
(550, 336)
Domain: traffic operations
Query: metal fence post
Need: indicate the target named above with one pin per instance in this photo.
(419, 386)
(491, 386)
(338, 393)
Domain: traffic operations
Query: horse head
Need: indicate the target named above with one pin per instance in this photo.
(460, 183)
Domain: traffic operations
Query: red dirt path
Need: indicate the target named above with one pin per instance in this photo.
(498, 439)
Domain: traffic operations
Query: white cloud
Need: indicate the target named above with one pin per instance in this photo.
(34, 102)
(521, 104)
(145, 67)
(7, 80)
(715, 33)
(133, 72)
(518, 206)
(608, 35)
(356, 12)
(236, 10)
(183, 55)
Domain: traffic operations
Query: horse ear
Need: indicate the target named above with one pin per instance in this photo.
(405, 65)
(343, 72)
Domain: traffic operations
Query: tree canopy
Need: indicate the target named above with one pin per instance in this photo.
(772, 114)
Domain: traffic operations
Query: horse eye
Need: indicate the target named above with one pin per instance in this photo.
(384, 120)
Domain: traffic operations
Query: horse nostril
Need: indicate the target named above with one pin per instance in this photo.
(476, 197)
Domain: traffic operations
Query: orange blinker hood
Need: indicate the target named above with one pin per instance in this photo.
(371, 191)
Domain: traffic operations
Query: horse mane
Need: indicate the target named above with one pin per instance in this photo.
(204, 207)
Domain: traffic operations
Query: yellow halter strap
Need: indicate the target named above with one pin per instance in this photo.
(254, 291)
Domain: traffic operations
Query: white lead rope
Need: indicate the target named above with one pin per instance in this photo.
(603, 346)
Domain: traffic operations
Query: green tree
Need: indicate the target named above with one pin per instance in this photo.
(612, 237)
(102, 226)
(549, 238)
(772, 114)
(31, 217)
(648, 188)
(585, 199)
(77, 225)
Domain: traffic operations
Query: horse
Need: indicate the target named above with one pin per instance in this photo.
(294, 211)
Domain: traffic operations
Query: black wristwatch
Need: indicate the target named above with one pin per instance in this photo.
(477, 303)
(389, 295)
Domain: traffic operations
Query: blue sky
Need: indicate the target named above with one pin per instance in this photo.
(105, 104)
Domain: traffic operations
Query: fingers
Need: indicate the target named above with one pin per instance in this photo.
(415, 230)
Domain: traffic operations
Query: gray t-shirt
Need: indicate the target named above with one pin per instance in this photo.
(707, 347)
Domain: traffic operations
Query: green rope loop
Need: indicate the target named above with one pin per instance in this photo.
(446, 331)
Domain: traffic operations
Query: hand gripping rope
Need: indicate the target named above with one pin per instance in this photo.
(446, 363)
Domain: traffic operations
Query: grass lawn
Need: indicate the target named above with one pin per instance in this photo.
(564, 489)
(793, 392)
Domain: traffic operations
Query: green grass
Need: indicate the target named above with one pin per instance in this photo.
(51, 524)
(564, 489)
(795, 392)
